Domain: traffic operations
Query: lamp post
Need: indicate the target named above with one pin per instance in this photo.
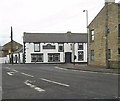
(86, 11)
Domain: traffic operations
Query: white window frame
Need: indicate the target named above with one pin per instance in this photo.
(36, 47)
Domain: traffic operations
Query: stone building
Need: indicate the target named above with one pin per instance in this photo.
(104, 36)
(6, 50)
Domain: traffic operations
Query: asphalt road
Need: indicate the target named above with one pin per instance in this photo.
(47, 81)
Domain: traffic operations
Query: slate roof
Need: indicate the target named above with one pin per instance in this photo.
(19, 50)
(55, 37)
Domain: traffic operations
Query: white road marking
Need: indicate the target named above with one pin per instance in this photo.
(66, 85)
(75, 70)
(26, 74)
(28, 83)
(14, 70)
(60, 68)
(10, 73)
(88, 71)
(8, 68)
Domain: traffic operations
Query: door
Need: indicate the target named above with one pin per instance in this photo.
(68, 56)
(16, 59)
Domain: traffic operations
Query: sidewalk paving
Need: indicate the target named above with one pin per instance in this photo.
(86, 67)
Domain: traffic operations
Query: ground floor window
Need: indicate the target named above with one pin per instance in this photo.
(109, 53)
(92, 55)
(53, 57)
(118, 51)
(80, 56)
(36, 57)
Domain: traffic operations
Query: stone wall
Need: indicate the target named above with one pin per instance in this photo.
(99, 44)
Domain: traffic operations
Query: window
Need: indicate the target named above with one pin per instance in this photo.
(80, 56)
(60, 47)
(109, 53)
(80, 46)
(92, 33)
(92, 55)
(53, 57)
(36, 47)
(36, 57)
(118, 51)
(49, 46)
(119, 30)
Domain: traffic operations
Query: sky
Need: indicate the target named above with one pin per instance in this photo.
(45, 16)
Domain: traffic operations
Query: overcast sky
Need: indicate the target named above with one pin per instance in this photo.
(42, 16)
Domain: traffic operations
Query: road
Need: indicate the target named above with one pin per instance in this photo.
(48, 81)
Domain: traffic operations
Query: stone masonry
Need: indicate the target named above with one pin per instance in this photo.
(99, 42)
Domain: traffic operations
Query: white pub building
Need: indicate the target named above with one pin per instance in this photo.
(55, 47)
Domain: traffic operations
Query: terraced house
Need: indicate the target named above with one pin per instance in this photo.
(104, 36)
(55, 47)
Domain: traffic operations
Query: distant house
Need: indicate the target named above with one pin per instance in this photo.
(7, 48)
(104, 45)
(6, 52)
(55, 47)
(1, 52)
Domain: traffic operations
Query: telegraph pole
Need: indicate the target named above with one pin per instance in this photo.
(11, 45)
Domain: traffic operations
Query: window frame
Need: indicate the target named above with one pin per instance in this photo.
(92, 35)
(37, 56)
(79, 59)
(118, 51)
(118, 30)
(92, 56)
(109, 53)
(53, 55)
(36, 50)
(81, 44)
(60, 45)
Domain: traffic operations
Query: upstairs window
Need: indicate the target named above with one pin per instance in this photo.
(36, 47)
(80, 46)
(60, 47)
(92, 35)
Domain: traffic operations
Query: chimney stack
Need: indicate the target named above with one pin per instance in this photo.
(109, 1)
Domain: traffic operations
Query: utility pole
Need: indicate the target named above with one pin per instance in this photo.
(106, 35)
(11, 45)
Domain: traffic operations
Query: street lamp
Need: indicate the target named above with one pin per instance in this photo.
(86, 11)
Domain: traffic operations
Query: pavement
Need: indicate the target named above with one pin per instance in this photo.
(86, 67)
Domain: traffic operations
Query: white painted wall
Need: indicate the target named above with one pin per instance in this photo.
(30, 50)
(84, 50)
(19, 59)
(3, 60)
(68, 47)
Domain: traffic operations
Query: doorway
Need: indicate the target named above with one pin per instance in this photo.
(68, 56)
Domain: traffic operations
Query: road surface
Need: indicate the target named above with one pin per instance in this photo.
(48, 81)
